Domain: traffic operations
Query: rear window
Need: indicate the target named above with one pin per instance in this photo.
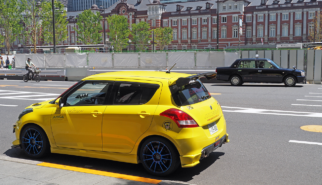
(192, 93)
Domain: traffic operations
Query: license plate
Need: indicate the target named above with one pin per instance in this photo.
(212, 128)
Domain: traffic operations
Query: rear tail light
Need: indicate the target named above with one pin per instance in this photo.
(182, 119)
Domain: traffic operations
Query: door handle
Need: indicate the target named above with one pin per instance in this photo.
(144, 113)
(96, 113)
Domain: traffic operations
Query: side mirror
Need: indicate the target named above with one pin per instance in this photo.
(58, 102)
(294, 67)
(235, 66)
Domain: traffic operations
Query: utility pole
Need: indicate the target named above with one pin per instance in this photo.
(54, 36)
(153, 39)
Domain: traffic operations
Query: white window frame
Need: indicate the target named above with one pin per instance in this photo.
(311, 27)
(235, 6)
(224, 7)
(272, 31)
(248, 32)
(184, 22)
(272, 17)
(175, 35)
(224, 19)
(194, 21)
(299, 17)
(153, 23)
(284, 32)
(298, 30)
(235, 32)
(204, 20)
(248, 18)
(184, 34)
(223, 33)
(184, 47)
(194, 34)
(235, 18)
(214, 20)
(285, 16)
(214, 33)
(260, 30)
(260, 17)
(165, 23)
(174, 22)
(311, 15)
(230, 7)
(204, 34)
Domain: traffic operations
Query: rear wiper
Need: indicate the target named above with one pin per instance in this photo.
(205, 97)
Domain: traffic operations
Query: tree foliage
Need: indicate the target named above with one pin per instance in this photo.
(89, 27)
(119, 31)
(141, 34)
(315, 29)
(163, 36)
(11, 14)
(60, 22)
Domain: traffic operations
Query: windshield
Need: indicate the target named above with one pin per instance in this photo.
(192, 93)
(272, 62)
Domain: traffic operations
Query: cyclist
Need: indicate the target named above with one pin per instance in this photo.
(29, 64)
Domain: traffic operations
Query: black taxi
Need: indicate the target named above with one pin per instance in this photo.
(259, 70)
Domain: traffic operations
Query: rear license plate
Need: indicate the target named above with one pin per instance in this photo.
(212, 128)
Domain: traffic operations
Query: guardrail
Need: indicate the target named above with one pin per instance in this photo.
(46, 74)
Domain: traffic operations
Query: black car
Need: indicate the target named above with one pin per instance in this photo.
(259, 70)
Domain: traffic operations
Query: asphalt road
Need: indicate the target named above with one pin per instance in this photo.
(263, 121)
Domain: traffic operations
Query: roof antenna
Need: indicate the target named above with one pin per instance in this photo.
(171, 68)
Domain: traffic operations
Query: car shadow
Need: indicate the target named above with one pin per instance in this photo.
(258, 85)
(182, 174)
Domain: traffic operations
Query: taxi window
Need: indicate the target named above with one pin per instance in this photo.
(91, 93)
(247, 64)
(264, 64)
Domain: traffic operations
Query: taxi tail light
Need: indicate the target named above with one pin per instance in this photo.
(182, 119)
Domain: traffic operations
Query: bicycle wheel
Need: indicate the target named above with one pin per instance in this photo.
(25, 78)
(37, 78)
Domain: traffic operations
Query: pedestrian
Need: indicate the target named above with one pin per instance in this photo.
(13, 62)
(2, 63)
(7, 62)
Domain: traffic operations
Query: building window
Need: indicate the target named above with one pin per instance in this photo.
(175, 35)
(194, 21)
(298, 29)
(214, 33)
(224, 7)
(285, 16)
(165, 22)
(174, 22)
(214, 20)
(72, 28)
(194, 47)
(207, 5)
(248, 32)
(311, 28)
(229, 7)
(184, 47)
(204, 20)
(235, 32)
(223, 33)
(260, 18)
(174, 47)
(184, 34)
(184, 22)
(194, 34)
(72, 38)
(235, 6)
(204, 33)
(311, 15)
(272, 31)
(248, 18)
(260, 31)
(106, 26)
(285, 31)
(223, 19)
(153, 23)
(298, 15)
(272, 17)
(137, 21)
(235, 18)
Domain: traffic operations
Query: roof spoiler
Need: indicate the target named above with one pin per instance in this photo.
(185, 81)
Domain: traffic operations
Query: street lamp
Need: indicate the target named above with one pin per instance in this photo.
(130, 44)
(54, 34)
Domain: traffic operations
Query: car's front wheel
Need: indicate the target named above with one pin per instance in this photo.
(289, 81)
(34, 141)
(159, 157)
(236, 80)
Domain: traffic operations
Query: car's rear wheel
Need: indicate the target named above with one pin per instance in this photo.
(289, 81)
(236, 80)
(34, 142)
(159, 157)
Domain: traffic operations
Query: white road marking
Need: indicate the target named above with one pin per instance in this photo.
(271, 112)
(307, 105)
(305, 142)
(24, 95)
(2, 94)
(52, 85)
(8, 105)
(314, 93)
(313, 96)
(308, 100)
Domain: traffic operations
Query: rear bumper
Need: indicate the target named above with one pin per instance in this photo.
(207, 150)
(300, 79)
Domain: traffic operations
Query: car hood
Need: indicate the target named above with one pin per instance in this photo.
(41, 104)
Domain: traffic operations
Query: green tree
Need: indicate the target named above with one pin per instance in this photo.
(141, 34)
(32, 29)
(89, 27)
(119, 32)
(163, 36)
(60, 22)
(315, 29)
(10, 21)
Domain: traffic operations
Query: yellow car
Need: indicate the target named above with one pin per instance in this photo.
(162, 120)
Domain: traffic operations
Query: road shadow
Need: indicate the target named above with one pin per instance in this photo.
(182, 174)
(258, 85)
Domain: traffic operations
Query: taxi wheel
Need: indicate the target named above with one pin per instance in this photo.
(236, 80)
(159, 157)
(289, 81)
(34, 142)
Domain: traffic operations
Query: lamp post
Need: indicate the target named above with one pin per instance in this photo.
(153, 39)
(54, 34)
(130, 44)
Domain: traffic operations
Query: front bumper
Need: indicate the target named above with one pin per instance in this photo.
(300, 79)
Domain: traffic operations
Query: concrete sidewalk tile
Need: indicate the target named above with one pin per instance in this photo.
(43, 173)
(2, 176)
(13, 168)
(78, 178)
(115, 181)
(16, 180)
(166, 182)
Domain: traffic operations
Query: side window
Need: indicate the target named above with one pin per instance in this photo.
(264, 64)
(91, 93)
(134, 93)
(247, 64)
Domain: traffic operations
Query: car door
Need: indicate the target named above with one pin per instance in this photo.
(131, 114)
(247, 70)
(267, 72)
(78, 124)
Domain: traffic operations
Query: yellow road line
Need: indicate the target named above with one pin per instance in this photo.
(215, 93)
(312, 128)
(102, 173)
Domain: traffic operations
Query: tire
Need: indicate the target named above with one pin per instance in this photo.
(25, 78)
(236, 80)
(290, 81)
(159, 157)
(37, 78)
(34, 142)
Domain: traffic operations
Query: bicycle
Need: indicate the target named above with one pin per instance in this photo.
(36, 78)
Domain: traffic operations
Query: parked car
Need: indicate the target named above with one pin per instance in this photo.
(162, 120)
(259, 70)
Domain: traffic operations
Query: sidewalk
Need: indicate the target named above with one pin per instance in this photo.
(15, 171)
